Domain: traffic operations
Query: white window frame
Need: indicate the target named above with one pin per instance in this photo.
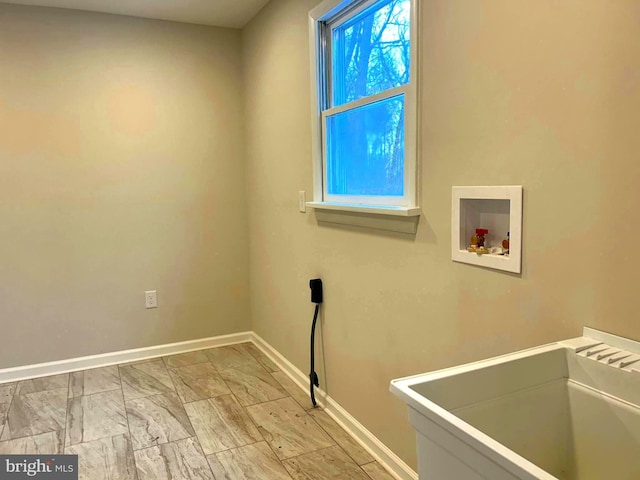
(320, 18)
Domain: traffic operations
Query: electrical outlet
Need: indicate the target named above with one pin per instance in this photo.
(302, 201)
(150, 299)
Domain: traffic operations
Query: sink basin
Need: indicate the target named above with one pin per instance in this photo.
(568, 410)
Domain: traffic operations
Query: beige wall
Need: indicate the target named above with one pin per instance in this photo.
(121, 170)
(544, 94)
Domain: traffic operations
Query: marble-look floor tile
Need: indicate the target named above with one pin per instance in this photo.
(265, 361)
(109, 458)
(348, 444)
(376, 472)
(252, 384)
(50, 443)
(7, 390)
(181, 460)
(197, 382)
(248, 463)
(6, 395)
(288, 428)
(184, 359)
(36, 413)
(96, 416)
(232, 356)
(145, 379)
(157, 419)
(96, 380)
(43, 384)
(299, 395)
(325, 464)
(221, 423)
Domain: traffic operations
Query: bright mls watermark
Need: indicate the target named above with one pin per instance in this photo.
(50, 467)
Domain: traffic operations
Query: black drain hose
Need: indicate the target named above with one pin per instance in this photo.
(316, 297)
(313, 376)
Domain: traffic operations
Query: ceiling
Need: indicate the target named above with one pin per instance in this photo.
(220, 13)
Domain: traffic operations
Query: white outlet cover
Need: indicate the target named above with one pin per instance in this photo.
(302, 201)
(150, 299)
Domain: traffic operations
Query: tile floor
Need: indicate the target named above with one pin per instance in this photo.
(222, 413)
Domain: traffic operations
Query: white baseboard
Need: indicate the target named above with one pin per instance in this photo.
(389, 460)
(113, 358)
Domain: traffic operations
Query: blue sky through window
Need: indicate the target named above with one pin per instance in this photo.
(370, 54)
(366, 150)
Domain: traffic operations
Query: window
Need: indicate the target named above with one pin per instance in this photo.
(364, 118)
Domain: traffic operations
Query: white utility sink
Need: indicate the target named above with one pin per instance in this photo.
(569, 410)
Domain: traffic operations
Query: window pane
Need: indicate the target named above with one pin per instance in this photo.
(370, 52)
(365, 154)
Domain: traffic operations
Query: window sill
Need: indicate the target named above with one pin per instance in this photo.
(377, 209)
(390, 219)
